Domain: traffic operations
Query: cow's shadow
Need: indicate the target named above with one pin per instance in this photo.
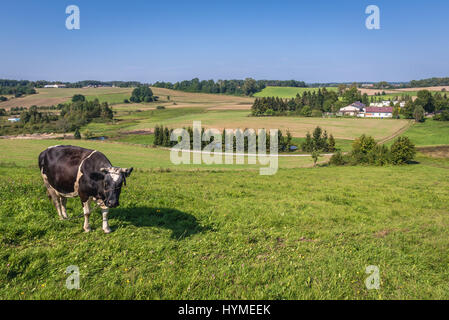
(180, 223)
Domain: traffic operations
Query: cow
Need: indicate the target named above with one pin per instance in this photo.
(70, 171)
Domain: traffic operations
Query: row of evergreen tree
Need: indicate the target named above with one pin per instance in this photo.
(318, 141)
(162, 138)
(319, 101)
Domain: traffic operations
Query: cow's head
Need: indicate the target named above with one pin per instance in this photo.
(113, 180)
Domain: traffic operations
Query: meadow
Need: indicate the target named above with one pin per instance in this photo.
(229, 233)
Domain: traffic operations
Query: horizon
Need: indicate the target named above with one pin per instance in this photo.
(151, 41)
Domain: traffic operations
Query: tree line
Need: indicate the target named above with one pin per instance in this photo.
(426, 102)
(162, 138)
(308, 104)
(16, 88)
(78, 84)
(72, 116)
(366, 151)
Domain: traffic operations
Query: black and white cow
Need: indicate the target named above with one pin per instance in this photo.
(70, 171)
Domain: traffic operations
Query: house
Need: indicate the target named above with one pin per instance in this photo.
(386, 103)
(378, 112)
(54, 86)
(14, 119)
(353, 109)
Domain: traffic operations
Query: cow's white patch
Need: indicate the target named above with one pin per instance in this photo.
(115, 177)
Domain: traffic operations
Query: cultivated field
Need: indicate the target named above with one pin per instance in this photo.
(54, 96)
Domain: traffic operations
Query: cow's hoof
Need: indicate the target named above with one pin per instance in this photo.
(88, 229)
(107, 230)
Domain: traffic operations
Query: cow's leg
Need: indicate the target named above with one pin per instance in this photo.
(106, 228)
(55, 199)
(63, 202)
(86, 209)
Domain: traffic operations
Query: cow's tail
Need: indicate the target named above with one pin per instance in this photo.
(42, 159)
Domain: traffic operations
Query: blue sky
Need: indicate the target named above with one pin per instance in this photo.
(314, 41)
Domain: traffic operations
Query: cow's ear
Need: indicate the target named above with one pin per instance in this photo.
(127, 172)
(104, 170)
(96, 176)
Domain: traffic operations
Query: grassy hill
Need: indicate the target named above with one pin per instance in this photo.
(229, 233)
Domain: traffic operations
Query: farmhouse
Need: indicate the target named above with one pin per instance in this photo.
(54, 86)
(353, 109)
(378, 112)
(386, 103)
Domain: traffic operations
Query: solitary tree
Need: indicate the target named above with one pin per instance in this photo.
(418, 114)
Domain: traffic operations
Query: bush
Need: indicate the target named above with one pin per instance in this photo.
(443, 116)
(142, 94)
(379, 156)
(361, 147)
(337, 159)
(77, 134)
(160, 107)
(402, 151)
(316, 113)
(78, 97)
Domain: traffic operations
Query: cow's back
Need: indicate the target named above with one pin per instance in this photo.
(60, 164)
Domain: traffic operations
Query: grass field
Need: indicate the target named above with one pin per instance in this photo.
(429, 133)
(231, 234)
(341, 128)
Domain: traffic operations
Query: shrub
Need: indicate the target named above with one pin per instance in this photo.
(316, 113)
(402, 151)
(337, 159)
(78, 97)
(443, 116)
(361, 147)
(379, 156)
(88, 134)
(306, 111)
(160, 107)
(142, 94)
(77, 134)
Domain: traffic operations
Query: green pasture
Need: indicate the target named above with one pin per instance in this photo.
(304, 233)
